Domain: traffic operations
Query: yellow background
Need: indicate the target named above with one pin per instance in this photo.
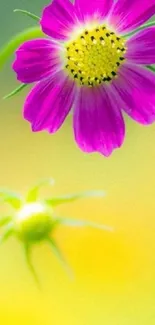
(114, 272)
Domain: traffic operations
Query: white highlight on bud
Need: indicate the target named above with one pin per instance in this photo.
(30, 209)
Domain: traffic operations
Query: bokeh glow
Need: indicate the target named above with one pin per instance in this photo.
(114, 272)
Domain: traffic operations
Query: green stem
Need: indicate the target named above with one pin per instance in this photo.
(9, 49)
(28, 13)
(151, 23)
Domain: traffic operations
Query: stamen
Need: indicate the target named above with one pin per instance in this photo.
(95, 56)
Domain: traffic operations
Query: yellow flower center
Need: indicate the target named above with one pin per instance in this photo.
(95, 56)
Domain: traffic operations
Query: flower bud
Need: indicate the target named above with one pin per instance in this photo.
(34, 222)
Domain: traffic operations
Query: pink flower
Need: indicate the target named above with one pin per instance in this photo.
(88, 65)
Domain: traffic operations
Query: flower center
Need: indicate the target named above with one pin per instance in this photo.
(94, 56)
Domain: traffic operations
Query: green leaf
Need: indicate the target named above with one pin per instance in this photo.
(32, 194)
(27, 13)
(58, 254)
(15, 91)
(17, 40)
(73, 197)
(5, 220)
(82, 223)
(12, 198)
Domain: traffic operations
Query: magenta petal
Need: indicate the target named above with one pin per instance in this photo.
(49, 103)
(127, 15)
(87, 8)
(98, 122)
(58, 19)
(141, 47)
(35, 60)
(135, 86)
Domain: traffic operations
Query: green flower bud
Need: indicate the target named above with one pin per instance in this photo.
(34, 222)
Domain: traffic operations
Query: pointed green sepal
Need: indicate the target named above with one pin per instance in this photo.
(33, 193)
(27, 249)
(12, 198)
(4, 220)
(151, 67)
(82, 223)
(15, 91)
(8, 231)
(144, 26)
(73, 197)
(59, 256)
(28, 13)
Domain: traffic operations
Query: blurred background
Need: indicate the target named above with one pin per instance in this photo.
(114, 272)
